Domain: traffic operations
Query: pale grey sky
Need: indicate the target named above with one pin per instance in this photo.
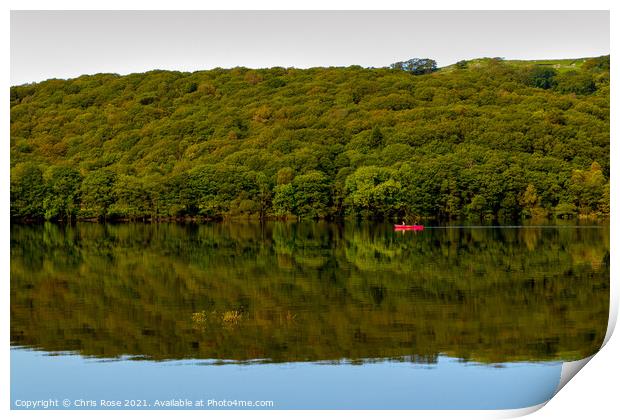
(64, 44)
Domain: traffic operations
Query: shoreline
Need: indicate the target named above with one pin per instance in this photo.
(292, 219)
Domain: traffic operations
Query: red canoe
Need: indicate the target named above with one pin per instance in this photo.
(408, 227)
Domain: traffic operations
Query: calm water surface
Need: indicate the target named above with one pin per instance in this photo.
(309, 315)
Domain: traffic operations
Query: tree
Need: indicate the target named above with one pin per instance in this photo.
(604, 202)
(312, 194)
(587, 188)
(285, 176)
(462, 64)
(376, 137)
(283, 200)
(529, 200)
(416, 66)
(597, 64)
(580, 83)
(565, 210)
(132, 200)
(263, 193)
(28, 191)
(373, 192)
(542, 77)
(478, 206)
(62, 200)
(97, 193)
(449, 199)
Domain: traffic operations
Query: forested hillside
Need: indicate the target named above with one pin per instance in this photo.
(480, 139)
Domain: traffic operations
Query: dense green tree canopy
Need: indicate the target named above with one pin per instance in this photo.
(485, 138)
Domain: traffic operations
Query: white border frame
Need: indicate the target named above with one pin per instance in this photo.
(592, 394)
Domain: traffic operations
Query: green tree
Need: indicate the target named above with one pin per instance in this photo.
(462, 64)
(28, 191)
(312, 194)
(131, 198)
(373, 192)
(376, 137)
(529, 200)
(284, 200)
(416, 66)
(587, 188)
(62, 200)
(580, 83)
(478, 206)
(97, 193)
(542, 77)
(285, 176)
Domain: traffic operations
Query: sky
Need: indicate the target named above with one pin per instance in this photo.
(66, 44)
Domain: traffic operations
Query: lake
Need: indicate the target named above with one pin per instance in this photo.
(306, 315)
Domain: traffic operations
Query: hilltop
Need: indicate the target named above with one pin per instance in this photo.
(560, 65)
(483, 138)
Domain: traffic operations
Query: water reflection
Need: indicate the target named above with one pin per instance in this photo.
(283, 292)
